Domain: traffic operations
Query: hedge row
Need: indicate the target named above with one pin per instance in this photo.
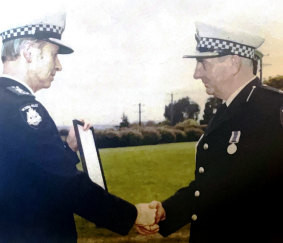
(145, 136)
(148, 134)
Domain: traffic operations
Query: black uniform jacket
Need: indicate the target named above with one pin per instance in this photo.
(237, 192)
(40, 187)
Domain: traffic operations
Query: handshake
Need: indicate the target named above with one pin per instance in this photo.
(149, 215)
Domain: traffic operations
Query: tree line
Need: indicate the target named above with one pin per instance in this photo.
(180, 124)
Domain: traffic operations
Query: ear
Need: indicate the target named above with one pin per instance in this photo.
(27, 54)
(236, 64)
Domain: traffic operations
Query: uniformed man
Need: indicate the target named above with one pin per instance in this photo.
(237, 192)
(40, 187)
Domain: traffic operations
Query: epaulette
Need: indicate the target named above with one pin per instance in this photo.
(18, 91)
(266, 87)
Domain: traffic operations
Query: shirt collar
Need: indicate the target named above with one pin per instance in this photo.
(233, 96)
(19, 81)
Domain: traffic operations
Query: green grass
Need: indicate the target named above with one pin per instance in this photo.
(142, 174)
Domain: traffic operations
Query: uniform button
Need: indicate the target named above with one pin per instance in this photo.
(205, 146)
(197, 193)
(194, 217)
(201, 170)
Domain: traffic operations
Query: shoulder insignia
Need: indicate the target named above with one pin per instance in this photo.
(266, 87)
(30, 115)
(19, 91)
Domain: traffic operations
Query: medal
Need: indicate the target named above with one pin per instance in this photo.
(232, 148)
(235, 138)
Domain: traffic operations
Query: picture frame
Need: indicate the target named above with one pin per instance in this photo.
(89, 153)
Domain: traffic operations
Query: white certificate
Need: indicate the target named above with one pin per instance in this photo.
(89, 154)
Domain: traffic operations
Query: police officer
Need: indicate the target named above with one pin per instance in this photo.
(237, 192)
(40, 187)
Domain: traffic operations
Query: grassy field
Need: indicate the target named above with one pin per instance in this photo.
(142, 174)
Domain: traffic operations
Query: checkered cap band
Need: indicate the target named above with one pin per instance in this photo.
(225, 47)
(40, 31)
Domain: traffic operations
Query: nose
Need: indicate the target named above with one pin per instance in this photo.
(58, 65)
(198, 70)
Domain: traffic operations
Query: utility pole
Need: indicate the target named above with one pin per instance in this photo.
(139, 111)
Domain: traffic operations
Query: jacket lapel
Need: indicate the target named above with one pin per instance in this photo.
(235, 107)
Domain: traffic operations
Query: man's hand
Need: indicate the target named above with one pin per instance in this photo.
(159, 216)
(71, 139)
(146, 215)
(160, 211)
(147, 229)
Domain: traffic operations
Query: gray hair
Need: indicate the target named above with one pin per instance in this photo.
(251, 64)
(11, 49)
(245, 61)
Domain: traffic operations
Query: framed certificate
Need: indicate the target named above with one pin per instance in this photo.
(89, 154)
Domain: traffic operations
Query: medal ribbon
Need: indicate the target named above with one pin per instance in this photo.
(235, 137)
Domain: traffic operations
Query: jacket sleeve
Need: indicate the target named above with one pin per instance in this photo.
(178, 210)
(98, 206)
(75, 192)
(92, 202)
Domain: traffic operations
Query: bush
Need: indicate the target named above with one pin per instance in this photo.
(167, 135)
(193, 134)
(180, 135)
(150, 136)
(144, 135)
(186, 124)
(135, 126)
(108, 138)
(98, 135)
(131, 137)
(164, 123)
(150, 124)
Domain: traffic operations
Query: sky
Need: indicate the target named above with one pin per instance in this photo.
(129, 52)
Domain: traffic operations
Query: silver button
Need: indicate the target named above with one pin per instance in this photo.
(201, 170)
(205, 146)
(197, 193)
(194, 217)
